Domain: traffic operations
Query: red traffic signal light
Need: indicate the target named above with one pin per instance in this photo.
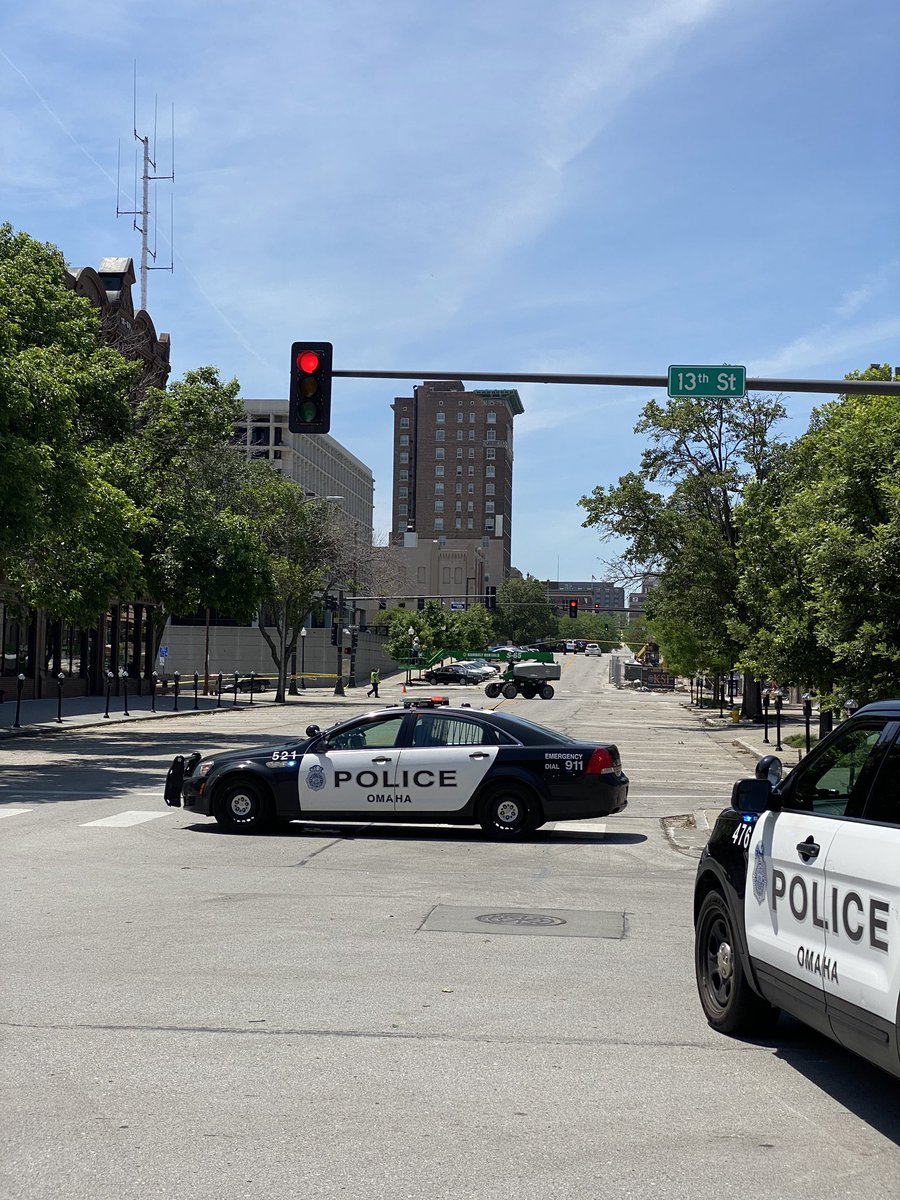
(573, 608)
(309, 400)
(596, 606)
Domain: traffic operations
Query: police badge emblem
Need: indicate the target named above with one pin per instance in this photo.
(315, 778)
(759, 873)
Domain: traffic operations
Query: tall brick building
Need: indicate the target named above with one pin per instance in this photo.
(452, 487)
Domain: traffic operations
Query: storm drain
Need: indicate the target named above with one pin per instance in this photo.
(548, 922)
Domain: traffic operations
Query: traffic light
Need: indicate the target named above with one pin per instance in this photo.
(573, 609)
(309, 407)
(596, 606)
(334, 630)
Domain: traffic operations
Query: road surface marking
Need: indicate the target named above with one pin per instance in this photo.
(14, 812)
(125, 818)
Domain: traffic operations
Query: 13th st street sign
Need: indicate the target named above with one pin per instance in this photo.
(708, 381)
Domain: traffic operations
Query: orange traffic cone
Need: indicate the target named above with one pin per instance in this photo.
(403, 690)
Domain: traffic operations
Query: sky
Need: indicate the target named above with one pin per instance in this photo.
(587, 186)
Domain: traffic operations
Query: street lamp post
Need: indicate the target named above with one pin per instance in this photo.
(303, 659)
(807, 714)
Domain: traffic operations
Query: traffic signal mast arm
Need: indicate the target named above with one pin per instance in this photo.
(837, 387)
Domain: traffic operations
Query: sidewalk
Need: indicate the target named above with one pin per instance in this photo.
(39, 717)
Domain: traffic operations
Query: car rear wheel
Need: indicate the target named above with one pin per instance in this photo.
(242, 808)
(509, 811)
(729, 1002)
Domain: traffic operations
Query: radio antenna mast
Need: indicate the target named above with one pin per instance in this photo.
(142, 225)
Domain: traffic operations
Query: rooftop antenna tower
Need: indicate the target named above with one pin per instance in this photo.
(142, 215)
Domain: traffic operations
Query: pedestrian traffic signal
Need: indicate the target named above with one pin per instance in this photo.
(309, 400)
(573, 609)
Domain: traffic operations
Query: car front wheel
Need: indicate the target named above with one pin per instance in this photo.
(729, 1003)
(242, 808)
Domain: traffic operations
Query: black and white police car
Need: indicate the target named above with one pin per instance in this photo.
(424, 762)
(797, 897)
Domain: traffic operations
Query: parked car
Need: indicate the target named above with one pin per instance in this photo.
(453, 673)
(579, 646)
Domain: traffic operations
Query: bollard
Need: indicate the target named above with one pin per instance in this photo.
(196, 684)
(124, 678)
(154, 680)
(20, 683)
(219, 700)
(109, 679)
(177, 677)
(60, 680)
(236, 678)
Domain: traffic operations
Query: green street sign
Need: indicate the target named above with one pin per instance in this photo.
(708, 381)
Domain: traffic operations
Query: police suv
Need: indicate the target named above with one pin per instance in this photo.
(424, 762)
(797, 897)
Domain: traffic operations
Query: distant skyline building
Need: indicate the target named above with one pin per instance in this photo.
(587, 592)
(316, 462)
(452, 488)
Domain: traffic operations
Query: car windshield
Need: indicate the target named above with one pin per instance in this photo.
(530, 733)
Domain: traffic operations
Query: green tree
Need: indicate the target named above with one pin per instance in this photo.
(306, 550)
(701, 454)
(523, 614)
(199, 548)
(65, 527)
(820, 552)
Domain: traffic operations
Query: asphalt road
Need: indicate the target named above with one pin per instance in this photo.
(194, 1014)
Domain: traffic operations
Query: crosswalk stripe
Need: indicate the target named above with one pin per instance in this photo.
(121, 819)
(580, 826)
(14, 812)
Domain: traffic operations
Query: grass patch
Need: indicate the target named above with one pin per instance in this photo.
(798, 740)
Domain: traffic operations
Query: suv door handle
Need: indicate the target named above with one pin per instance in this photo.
(809, 849)
(383, 758)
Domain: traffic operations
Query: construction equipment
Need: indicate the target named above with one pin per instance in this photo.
(529, 679)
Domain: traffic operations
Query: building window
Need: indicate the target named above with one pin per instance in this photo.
(404, 439)
(404, 456)
(491, 435)
(439, 435)
(440, 418)
(489, 489)
(472, 416)
(404, 475)
(490, 452)
(489, 525)
(470, 506)
(439, 522)
(459, 506)
(402, 510)
(439, 489)
(459, 435)
(491, 417)
(457, 575)
(439, 471)
(471, 452)
(459, 451)
(458, 523)
(471, 435)
(471, 469)
(458, 469)
(488, 506)
(404, 422)
(471, 489)
(459, 489)
(469, 523)
(403, 493)
(490, 472)
(439, 452)
(459, 417)
(438, 506)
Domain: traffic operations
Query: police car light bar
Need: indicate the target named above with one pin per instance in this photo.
(429, 702)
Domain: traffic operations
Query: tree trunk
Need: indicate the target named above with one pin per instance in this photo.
(751, 703)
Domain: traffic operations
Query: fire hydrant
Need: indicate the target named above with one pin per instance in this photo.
(735, 715)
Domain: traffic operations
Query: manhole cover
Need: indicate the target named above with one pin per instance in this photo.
(519, 919)
(559, 922)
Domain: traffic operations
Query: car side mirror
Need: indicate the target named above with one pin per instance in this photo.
(770, 767)
(751, 795)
